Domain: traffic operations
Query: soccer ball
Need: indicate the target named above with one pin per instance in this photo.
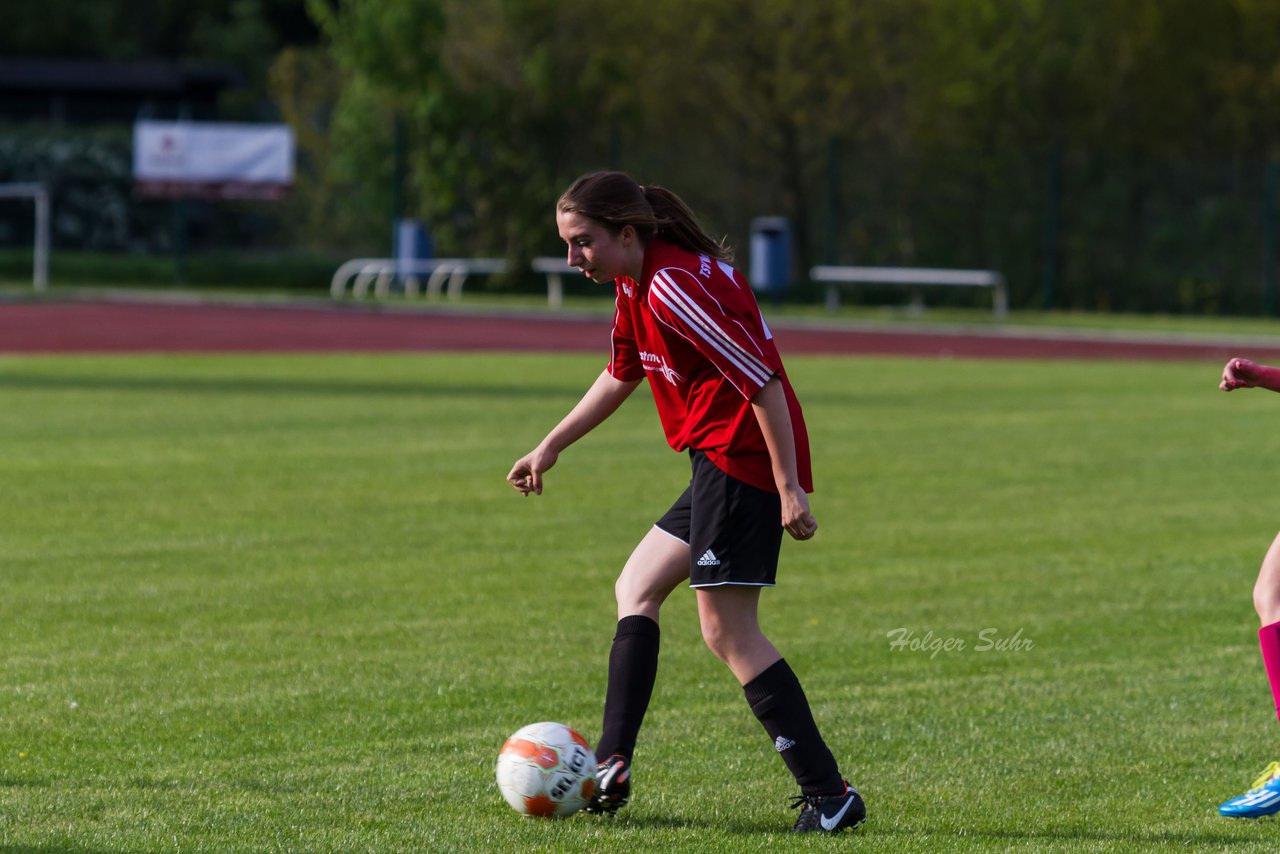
(548, 770)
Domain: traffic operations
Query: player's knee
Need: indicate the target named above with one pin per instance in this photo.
(718, 639)
(635, 597)
(1266, 601)
(711, 634)
(627, 601)
(715, 643)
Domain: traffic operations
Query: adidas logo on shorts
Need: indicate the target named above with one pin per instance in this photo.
(708, 559)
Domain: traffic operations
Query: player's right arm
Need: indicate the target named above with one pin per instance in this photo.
(1242, 373)
(601, 400)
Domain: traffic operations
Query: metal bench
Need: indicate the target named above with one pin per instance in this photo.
(554, 268)
(443, 274)
(380, 272)
(836, 277)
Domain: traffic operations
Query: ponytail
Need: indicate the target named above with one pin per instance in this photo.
(677, 224)
(615, 200)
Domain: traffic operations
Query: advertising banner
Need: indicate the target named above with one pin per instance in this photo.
(212, 160)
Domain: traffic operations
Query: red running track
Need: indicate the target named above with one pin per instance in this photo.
(153, 327)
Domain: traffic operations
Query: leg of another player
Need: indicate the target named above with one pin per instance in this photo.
(1266, 599)
(1266, 592)
(1263, 797)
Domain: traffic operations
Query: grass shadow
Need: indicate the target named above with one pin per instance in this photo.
(1066, 836)
(22, 783)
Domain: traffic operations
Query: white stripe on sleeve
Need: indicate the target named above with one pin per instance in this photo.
(668, 292)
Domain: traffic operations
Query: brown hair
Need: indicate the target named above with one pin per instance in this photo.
(614, 200)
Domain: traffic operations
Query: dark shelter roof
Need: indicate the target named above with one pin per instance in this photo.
(100, 90)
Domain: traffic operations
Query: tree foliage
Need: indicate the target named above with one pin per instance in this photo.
(1054, 139)
(498, 100)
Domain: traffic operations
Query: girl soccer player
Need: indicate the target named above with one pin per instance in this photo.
(687, 322)
(1264, 797)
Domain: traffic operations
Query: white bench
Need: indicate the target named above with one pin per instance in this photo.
(447, 274)
(554, 268)
(379, 272)
(835, 277)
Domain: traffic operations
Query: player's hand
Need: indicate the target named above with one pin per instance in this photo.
(1239, 373)
(526, 475)
(796, 518)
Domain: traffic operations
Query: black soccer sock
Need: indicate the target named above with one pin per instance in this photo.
(633, 667)
(779, 703)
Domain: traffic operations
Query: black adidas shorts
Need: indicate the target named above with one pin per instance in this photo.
(733, 529)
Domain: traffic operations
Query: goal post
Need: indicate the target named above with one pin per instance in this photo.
(40, 253)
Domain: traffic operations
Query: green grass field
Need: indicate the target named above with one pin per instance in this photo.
(290, 604)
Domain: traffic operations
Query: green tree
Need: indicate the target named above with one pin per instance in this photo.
(499, 99)
(755, 91)
(928, 131)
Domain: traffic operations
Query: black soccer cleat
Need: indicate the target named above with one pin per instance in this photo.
(830, 813)
(613, 786)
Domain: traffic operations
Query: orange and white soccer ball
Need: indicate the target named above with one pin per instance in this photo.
(548, 770)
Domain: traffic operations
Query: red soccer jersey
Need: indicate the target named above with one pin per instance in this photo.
(693, 328)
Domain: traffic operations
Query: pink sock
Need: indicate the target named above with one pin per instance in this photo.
(1269, 639)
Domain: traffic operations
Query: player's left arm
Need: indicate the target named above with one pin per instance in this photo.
(770, 407)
